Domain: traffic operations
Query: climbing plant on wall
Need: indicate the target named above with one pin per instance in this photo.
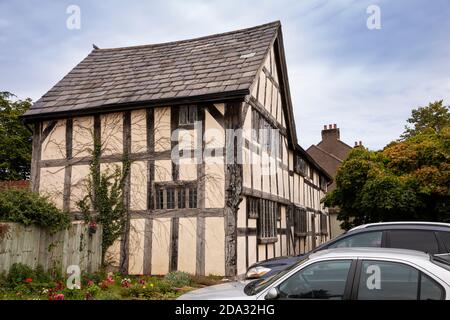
(104, 199)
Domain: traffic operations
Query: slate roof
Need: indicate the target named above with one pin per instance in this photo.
(221, 63)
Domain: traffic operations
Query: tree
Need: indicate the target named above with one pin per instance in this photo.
(408, 180)
(435, 116)
(15, 139)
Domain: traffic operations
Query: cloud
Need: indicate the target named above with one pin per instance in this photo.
(340, 72)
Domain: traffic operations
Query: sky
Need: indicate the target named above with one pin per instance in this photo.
(341, 72)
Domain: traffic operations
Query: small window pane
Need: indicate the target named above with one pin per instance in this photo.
(382, 280)
(159, 201)
(181, 198)
(192, 198)
(429, 289)
(321, 280)
(170, 198)
(445, 238)
(187, 114)
(368, 239)
(414, 240)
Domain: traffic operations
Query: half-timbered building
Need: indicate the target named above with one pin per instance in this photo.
(217, 179)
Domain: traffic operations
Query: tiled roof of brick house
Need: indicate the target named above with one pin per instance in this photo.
(223, 63)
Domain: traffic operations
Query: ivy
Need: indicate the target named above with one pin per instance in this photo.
(104, 201)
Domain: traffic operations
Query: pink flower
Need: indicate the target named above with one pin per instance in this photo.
(57, 296)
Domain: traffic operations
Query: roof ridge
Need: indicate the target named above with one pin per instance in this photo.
(326, 152)
(273, 23)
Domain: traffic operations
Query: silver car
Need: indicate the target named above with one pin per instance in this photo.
(342, 274)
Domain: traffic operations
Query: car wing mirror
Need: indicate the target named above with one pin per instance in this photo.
(272, 294)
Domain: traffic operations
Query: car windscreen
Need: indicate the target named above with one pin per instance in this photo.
(257, 286)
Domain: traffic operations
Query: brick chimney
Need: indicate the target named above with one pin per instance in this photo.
(330, 132)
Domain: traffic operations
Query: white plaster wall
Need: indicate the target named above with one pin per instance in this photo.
(163, 170)
(52, 184)
(241, 254)
(162, 129)
(112, 133)
(187, 245)
(214, 246)
(252, 247)
(54, 146)
(138, 185)
(214, 133)
(160, 246)
(138, 131)
(242, 213)
(136, 246)
(78, 189)
(83, 136)
(214, 182)
(187, 169)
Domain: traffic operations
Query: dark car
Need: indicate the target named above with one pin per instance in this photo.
(430, 237)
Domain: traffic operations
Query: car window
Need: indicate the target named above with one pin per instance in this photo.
(445, 238)
(382, 280)
(413, 239)
(321, 280)
(366, 239)
(430, 289)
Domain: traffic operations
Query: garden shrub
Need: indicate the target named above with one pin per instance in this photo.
(18, 273)
(178, 279)
(24, 279)
(29, 208)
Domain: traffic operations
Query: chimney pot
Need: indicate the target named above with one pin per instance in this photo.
(360, 143)
(329, 126)
(325, 127)
(356, 143)
(334, 126)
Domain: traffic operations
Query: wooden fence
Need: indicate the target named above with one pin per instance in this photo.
(33, 246)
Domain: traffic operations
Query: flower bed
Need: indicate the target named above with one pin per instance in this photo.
(23, 283)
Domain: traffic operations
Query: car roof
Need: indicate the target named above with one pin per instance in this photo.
(388, 253)
(402, 224)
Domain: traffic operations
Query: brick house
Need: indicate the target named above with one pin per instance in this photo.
(329, 153)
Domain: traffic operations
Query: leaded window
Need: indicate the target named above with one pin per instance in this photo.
(170, 198)
(192, 198)
(300, 221)
(267, 221)
(187, 115)
(181, 198)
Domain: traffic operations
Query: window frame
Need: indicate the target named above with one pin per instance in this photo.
(192, 198)
(358, 271)
(351, 235)
(348, 284)
(300, 221)
(166, 196)
(444, 243)
(170, 193)
(389, 232)
(181, 200)
(189, 112)
(267, 224)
